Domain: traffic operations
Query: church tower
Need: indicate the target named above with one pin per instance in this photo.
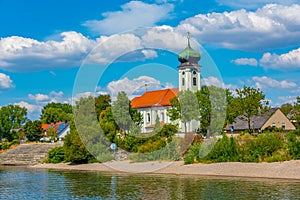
(189, 69)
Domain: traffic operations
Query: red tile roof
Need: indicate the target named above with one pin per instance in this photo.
(154, 98)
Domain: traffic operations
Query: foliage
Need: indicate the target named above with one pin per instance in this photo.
(205, 108)
(56, 155)
(89, 131)
(293, 145)
(33, 130)
(55, 112)
(249, 102)
(75, 150)
(120, 110)
(7, 145)
(225, 150)
(11, 117)
(167, 152)
(102, 102)
(51, 132)
(193, 154)
(264, 146)
(184, 107)
(108, 123)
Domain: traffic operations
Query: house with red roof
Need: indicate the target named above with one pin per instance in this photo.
(154, 104)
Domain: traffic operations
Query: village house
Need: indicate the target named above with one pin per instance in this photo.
(272, 118)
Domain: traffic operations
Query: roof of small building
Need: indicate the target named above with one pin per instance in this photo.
(154, 98)
(257, 121)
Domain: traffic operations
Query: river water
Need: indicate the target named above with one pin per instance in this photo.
(27, 183)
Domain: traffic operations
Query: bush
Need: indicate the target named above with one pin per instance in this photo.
(193, 154)
(293, 145)
(56, 155)
(261, 148)
(225, 150)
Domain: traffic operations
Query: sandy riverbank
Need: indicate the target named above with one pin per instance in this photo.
(282, 170)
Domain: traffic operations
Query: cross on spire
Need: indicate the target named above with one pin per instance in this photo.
(189, 38)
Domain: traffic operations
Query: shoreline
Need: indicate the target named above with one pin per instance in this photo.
(279, 170)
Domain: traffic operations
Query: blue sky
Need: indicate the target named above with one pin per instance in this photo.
(57, 51)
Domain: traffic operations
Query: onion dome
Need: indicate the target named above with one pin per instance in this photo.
(189, 54)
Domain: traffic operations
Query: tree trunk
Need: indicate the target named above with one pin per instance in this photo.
(249, 125)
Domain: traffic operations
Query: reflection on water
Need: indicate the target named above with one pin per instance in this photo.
(24, 183)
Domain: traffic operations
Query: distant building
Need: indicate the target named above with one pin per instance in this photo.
(156, 103)
(272, 118)
(61, 128)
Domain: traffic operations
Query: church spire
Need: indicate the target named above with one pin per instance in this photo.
(189, 54)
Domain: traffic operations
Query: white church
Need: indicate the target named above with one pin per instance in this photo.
(155, 103)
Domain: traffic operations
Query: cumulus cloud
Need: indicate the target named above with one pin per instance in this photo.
(253, 3)
(214, 81)
(245, 61)
(266, 82)
(38, 97)
(287, 61)
(271, 26)
(134, 86)
(134, 14)
(5, 82)
(24, 54)
(30, 107)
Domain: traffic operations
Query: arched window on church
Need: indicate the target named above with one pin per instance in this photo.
(194, 81)
(182, 81)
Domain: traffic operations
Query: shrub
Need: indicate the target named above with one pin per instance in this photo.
(193, 154)
(225, 150)
(56, 155)
(293, 145)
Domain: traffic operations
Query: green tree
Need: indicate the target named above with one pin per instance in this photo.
(185, 108)
(287, 108)
(55, 112)
(121, 112)
(102, 102)
(51, 132)
(11, 117)
(249, 102)
(108, 123)
(33, 130)
(205, 108)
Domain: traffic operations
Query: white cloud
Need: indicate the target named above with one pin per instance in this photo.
(134, 14)
(134, 86)
(38, 97)
(30, 107)
(290, 60)
(149, 53)
(245, 61)
(25, 54)
(253, 3)
(5, 82)
(268, 27)
(214, 81)
(266, 82)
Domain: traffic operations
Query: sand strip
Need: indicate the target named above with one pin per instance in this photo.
(280, 170)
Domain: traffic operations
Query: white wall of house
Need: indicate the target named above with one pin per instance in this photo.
(149, 116)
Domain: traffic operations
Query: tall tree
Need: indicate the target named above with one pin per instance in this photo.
(205, 108)
(11, 117)
(33, 130)
(55, 112)
(249, 102)
(122, 112)
(287, 108)
(101, 103)
(185, 108)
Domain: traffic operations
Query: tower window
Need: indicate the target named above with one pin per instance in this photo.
(194, 81)
(194, 72)
(183, 73)
(182, 81)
